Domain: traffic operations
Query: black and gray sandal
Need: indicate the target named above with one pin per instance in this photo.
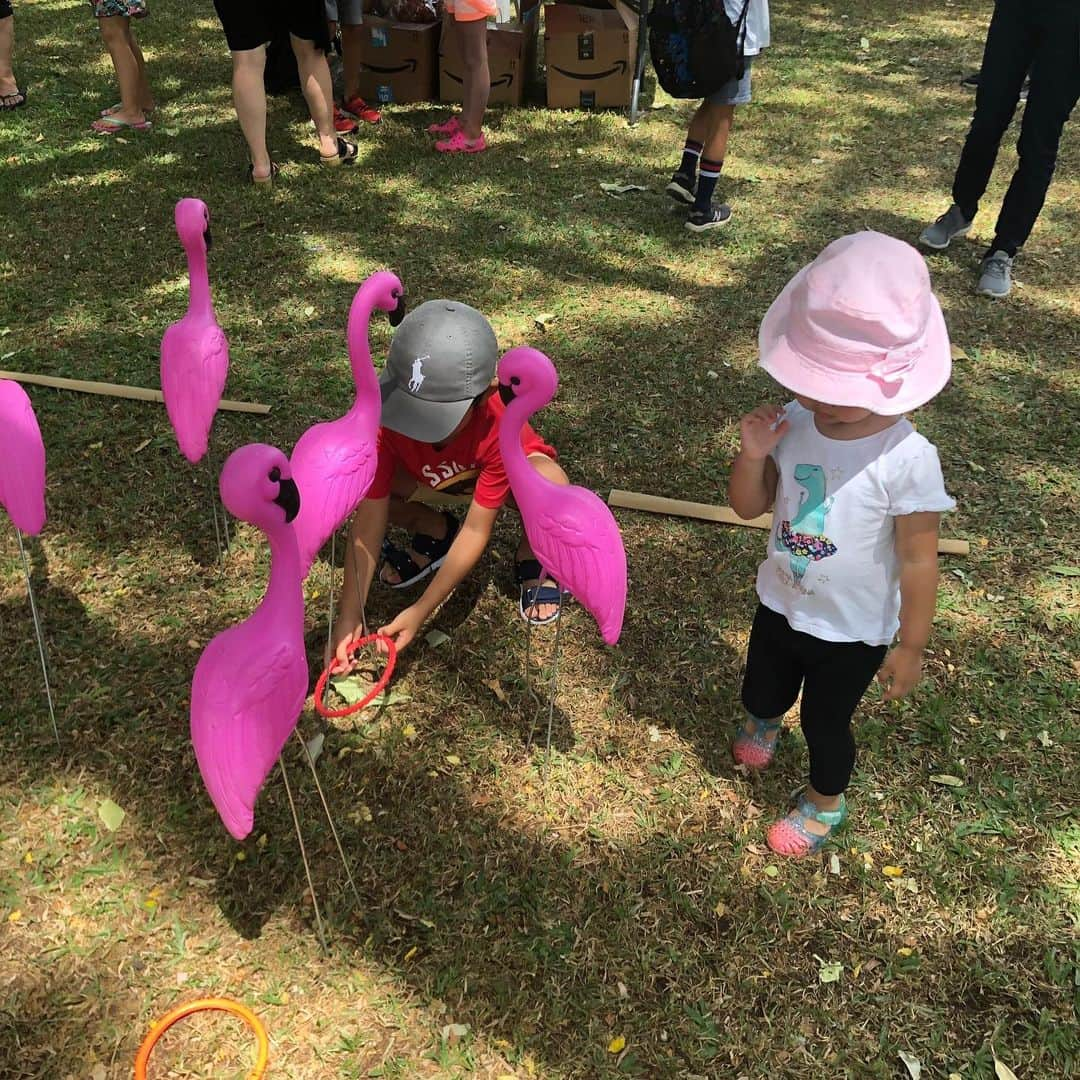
(408, 569)
(534, 595)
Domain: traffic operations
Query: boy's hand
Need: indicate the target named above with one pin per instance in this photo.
(757, 431)
(346, 631)
(403, 629)
(901, 672)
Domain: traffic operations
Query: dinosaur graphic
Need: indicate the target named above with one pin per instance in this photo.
(803, 537)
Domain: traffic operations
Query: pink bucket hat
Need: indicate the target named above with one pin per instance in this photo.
(859, 326)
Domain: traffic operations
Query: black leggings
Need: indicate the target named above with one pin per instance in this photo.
(833, 676)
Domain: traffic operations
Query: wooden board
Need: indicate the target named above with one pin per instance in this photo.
(655, 504)
(135, 393)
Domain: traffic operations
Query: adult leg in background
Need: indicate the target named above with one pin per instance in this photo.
(318, 89)
(472, 34)
(249, 98)
(116, 35)
(10, 94)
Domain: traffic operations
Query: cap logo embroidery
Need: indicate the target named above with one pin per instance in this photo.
(417, 379)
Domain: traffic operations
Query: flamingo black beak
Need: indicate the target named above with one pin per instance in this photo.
(399, 312)
(506, 392)
(288, 498)
(208, 237)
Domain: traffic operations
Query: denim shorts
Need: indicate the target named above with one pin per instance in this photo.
(736, 92)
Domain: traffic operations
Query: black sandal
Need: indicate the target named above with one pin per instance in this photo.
(408, 569)
(8, 101)
(346, 155)
(535, 595)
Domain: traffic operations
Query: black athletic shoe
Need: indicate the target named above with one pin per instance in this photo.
(681, 188)
(713, 218)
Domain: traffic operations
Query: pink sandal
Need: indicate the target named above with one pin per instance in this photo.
(459, 144)
(447, 127)
(790, 836)
(756, 748)
(113, 125)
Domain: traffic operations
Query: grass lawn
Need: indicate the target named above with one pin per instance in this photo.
(632, 922)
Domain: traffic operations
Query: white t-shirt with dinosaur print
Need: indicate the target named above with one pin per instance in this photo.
(832, 569)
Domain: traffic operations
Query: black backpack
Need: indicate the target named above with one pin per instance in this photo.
(695, 47)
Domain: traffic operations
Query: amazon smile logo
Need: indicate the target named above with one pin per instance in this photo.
(505, 80)
(409, 65)
(620, 68)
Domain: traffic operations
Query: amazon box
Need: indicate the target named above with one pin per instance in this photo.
(398, 60)
(590, 55)
(511, 57)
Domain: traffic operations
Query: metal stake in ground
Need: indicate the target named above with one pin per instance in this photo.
(303, 855)
(40, 634)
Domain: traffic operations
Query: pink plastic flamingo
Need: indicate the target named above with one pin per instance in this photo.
(22, 492)
(251, 680)
(570, 529)
(333, 463)
(194, 350)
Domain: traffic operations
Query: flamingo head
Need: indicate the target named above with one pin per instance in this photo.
(387, 294)
(193, 224)
(257, 487)
(528, 374)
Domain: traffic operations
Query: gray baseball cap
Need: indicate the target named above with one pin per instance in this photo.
(442, 357)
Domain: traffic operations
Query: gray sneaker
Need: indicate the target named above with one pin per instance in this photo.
(950, 225)
(996, 277)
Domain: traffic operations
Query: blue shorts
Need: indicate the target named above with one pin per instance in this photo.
(736, 92)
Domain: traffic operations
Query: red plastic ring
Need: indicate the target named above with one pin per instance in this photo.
(335, 667)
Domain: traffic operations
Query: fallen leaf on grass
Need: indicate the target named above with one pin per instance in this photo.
(892, 871)
(542, 320)
(435, 638)
(315, 746)
(14, 916)
(1044, 738)
(947, 780)
(1066, 571)
(453, 760)
(914, 1065)
(142, 446)
(829, 971)
(98, 1072)
(834, 863)
(617, 1045)
(452, 1032)
(771, 871)
(409, 731)
(905, 952)
(309, 311)
(496, 688)
(621, 189)
(111, 815)
(411, 953)
(1001, 1070)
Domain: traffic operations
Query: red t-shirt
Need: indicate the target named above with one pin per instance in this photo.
(471, 463)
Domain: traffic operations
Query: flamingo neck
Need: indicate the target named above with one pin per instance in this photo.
(284, 592)
(199, 288)
(518, 470)
(368, 396)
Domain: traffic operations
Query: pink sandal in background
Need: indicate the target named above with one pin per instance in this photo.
(459, 144)
(447, 127)
(113, 125)
(756, 748)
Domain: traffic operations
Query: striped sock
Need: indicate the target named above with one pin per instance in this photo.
(706, 185)
(691, 153)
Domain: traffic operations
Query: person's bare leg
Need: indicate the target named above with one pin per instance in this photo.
(476, 86)
(8, 85)
(146, 95)
(711, 126)
(352, 38)
(318, 88)
(249, 98)
(114, 35)
(552, 471)
(413, 517)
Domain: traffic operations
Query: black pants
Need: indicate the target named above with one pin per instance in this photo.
(1043, 37)
(833, 677)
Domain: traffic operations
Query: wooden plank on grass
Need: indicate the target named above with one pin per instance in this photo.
(134, 393)
(656, 504)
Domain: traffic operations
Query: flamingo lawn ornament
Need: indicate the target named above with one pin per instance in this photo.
(334, 462)
(251, 680)
(570, 529)
(195, 351)
(22, 493)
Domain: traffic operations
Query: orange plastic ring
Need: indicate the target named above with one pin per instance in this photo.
(373, 693)
(206, 1005)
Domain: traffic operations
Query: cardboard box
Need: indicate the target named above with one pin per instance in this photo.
(590, 55)
(511, 57)
(399, 60)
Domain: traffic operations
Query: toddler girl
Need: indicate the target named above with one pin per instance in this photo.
(856, 495)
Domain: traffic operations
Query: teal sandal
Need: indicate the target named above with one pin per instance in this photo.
(790, 836)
